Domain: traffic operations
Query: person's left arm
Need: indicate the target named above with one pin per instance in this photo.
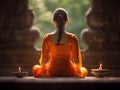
(45, 51)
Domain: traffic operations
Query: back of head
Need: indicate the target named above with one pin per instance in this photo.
(60, 15)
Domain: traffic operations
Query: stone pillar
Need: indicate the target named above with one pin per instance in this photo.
(102, 36)
(17, 37)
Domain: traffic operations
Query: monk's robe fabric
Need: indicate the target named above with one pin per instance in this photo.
(61, 59)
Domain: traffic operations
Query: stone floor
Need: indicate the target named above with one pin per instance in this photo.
(61, 83)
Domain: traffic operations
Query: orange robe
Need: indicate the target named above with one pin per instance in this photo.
(61, 59)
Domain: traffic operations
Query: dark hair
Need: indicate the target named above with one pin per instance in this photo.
(60, 16)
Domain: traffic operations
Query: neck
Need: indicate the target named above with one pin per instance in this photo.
(60, 29)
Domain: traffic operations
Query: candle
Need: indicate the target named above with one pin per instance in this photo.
(100, 72)
(100, 67)
(19, 69)
(20, 73)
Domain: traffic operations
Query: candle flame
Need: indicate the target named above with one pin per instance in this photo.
(19, 69)
(100, 67)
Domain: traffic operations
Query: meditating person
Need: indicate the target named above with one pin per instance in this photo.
(60, 54)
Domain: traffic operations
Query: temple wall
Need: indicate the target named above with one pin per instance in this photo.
(17, 37)
(102, 36)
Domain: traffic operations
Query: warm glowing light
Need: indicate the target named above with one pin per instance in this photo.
(19, 69)
(100, 67)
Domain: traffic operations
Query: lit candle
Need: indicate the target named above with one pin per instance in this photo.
(20, 73)
(100, 67)
(19, 69)
(100, 72)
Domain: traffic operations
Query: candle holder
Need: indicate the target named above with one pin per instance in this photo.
(20, 73)
(100, 72)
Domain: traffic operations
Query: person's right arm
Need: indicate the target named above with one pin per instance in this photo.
(76, 51)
